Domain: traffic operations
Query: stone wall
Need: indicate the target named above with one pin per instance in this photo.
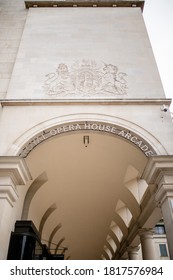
(12, 20)
(75, 53)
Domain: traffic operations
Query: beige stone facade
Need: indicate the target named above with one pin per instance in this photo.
(86, 133)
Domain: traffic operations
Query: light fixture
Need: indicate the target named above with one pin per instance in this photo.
(164, 108)
(86, 140)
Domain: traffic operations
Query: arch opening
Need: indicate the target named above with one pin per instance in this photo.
(85, 183)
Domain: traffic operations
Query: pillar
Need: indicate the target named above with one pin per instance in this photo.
(13, 172)
(8, 196)
(159, 174)
(147, 244)
(164, 196)
(133, 252)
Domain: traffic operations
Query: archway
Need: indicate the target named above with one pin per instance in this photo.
(95, 186)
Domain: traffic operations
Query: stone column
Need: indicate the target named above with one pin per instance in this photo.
(13, 172)
(159, 174)
(147, 244)
(165, 198)
(8, 196)
(133, 252)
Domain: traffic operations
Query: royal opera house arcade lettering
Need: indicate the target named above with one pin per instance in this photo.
(84, 127)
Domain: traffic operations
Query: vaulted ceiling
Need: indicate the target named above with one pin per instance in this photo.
(85, 198)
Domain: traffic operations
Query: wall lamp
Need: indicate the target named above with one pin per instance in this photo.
(86, 140)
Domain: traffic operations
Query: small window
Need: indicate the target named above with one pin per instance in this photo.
(159, 229)
(163, 250)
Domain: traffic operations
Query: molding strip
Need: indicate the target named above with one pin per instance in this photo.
(55, 102)
(85, 3)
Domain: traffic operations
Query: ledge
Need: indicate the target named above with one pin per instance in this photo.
(85, 3)
(14, 168)
(9, 193)
(55, 102)
(157, 167)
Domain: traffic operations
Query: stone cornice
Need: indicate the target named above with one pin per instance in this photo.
(85, 3)
(55, 102)
(14, 168)
(157, 167)
(9, 193)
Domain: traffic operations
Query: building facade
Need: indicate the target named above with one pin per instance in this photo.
(86, 148)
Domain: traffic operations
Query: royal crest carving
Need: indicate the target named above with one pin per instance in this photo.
(85, 79)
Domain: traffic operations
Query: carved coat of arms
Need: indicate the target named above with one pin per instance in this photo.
(85, 79)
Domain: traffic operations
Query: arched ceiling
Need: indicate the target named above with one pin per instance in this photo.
(86, 187)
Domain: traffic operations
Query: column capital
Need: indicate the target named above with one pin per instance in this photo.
(166, 191)
(157, 168)
(14, 168)
(8, 190)
(146, 233)
(134, 249)
(13, 172)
